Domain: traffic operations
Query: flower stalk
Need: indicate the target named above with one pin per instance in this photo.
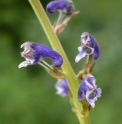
(52, 70)
(66, 67)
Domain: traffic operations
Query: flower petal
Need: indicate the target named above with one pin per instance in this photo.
(99, 91)
(45, 51)
(24, 64)
(92, 105)
(80, 55)
(81, 91)
(96, 52)
(96, 47)
(83, 51)
(62, 87)
(91, 80)
(80, 49)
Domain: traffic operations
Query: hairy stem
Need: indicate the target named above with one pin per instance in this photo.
(66, 67)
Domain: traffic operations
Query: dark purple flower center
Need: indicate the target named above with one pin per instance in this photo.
(87, 50)
(93, 94)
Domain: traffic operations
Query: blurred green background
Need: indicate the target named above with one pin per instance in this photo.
(27, 95)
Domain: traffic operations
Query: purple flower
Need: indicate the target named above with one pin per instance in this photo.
(62, 5)
(89, 90)
(34, 52)
(62, 87)
(88, 46)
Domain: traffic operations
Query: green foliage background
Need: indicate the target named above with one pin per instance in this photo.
(27, 95)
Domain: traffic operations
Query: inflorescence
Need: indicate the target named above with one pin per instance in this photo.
(35, 53)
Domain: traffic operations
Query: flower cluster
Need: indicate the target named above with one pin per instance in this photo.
(35, 53)
(88, 46)
(89, 90)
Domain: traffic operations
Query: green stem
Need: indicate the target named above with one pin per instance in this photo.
(66, 67)
(89, 62)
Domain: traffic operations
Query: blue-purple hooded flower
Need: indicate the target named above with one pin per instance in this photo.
(62, 5)
(34, 52)
(89, 46)
(62, 87)
(89, 90)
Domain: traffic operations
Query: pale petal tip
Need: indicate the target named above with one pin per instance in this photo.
(79, 56)
(77, 59)
(23, 64)
(79, 48)
(92, 105)
(20, 66)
